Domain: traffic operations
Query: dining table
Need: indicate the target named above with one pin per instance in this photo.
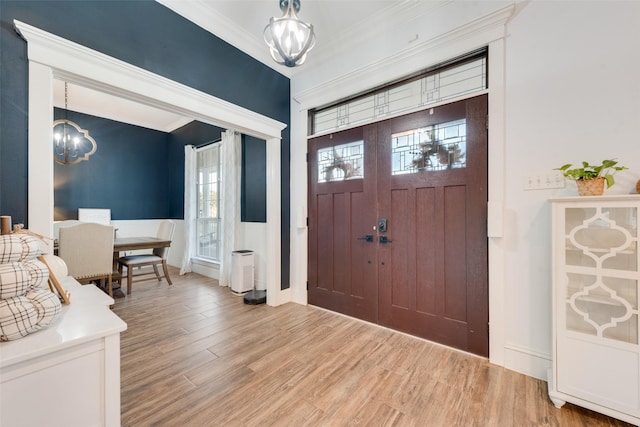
(124, 244)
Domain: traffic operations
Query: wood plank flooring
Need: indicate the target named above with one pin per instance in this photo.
(195, 355)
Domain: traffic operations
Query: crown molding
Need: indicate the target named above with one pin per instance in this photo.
(395, 15)
(473, 35)
(203, 14)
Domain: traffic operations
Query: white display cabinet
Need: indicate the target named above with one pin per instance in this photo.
(596, 354)
(67, 374)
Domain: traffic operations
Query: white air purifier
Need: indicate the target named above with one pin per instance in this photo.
(242, 271)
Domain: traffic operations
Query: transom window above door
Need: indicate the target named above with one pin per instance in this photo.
(456, 79)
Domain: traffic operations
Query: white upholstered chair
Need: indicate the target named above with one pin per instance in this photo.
(87, 249)
(158, 257)
(66, 223)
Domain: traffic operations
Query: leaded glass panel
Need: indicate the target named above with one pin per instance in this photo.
(433, 148)
(461, 80)
(341, 162)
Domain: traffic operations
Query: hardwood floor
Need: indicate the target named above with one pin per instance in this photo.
(195, 355)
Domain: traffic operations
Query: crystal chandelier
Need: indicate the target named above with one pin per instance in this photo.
(289, 39)
(71, 144)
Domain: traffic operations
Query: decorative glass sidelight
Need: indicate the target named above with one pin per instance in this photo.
(341, 162)
(433, 148)
(601, 261)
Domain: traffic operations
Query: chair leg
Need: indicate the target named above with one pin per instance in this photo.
(120, 274)
(110, 286)
(155, 270)
(129, 279)
(166, 271)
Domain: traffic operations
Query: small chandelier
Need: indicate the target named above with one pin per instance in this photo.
(289, 39)
(71, 143)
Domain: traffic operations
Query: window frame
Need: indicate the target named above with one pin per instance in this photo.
(200, 219)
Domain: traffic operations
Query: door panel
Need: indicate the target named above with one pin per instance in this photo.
(426, 173)
(431, 271)
(342, 266)
(454, 282)
(426, 268)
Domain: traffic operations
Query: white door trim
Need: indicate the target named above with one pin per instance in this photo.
(489, 30)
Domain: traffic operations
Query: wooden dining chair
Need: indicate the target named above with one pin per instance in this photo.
(87, 249)
(158, 257)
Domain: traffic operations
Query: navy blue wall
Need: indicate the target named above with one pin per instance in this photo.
(148, 35)
(126, 174)
(253, 194)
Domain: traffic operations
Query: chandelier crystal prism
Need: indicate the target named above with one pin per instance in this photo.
(289, 39)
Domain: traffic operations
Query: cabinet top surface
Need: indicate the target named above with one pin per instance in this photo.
(87, 317)
(592, 199)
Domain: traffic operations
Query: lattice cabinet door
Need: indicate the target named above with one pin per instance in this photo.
(596, 353)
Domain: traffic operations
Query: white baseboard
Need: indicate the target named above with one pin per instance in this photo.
(207, 269)
(527, 361)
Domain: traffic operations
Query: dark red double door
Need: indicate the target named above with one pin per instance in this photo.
(397, 224)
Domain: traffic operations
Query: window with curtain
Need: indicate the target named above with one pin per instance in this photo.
(209, 202)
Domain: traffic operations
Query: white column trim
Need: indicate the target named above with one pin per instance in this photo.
(496, 186)
(274, 211)
(40, 154)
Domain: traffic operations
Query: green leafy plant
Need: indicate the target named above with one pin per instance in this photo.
(605, 170)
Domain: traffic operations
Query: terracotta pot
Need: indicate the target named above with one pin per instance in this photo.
(591, 187)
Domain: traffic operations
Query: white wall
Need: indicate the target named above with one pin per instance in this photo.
(571, 92)
(254, 238)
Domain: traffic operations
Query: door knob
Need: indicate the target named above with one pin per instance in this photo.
(367, 238)
(384, 239)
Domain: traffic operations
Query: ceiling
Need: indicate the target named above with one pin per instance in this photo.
(111, 107)
(338, 24)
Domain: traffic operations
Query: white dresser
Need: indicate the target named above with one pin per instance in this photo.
(596, 287)
(67, 374)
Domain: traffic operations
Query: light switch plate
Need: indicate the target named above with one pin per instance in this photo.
(544, 180)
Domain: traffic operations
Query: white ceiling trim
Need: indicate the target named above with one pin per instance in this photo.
(99, 104)
(465, 38)
(395, 15)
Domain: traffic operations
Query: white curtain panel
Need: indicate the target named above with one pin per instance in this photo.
(189, 207)
(230, 156)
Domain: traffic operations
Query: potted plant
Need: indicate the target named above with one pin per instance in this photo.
(590, 179)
